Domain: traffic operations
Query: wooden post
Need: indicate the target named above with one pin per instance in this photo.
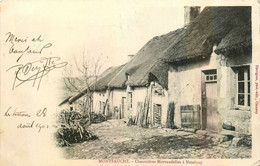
(147, 106)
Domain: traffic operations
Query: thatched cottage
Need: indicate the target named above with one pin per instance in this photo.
(209, 76)
(99, 93)
(146, 79)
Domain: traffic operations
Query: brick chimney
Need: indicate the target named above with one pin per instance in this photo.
(190, 13)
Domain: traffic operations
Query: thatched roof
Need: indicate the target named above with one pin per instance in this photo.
(147, 63)
(65, 100)
(106, 77)
(101, 84)
(227, 27)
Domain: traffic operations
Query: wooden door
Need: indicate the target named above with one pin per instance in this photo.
(212, 103)
(157, 113)
(123, 107)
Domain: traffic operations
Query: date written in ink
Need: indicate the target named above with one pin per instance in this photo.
(31, 125)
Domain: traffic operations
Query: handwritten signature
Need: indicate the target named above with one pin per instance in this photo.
(34, 71)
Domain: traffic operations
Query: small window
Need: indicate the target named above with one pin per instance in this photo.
(242, 86)
(211, 76)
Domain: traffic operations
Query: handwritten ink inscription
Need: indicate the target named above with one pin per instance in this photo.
(20, 45)
(35, 71)
(13, 112)
(31, 71)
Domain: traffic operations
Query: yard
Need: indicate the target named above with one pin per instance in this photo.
(117, 140)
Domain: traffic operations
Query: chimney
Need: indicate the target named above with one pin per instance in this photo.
(190, 13)
(130, 57)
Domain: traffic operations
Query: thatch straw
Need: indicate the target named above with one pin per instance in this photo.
(229, 26)
(101, 84)
(147, 62)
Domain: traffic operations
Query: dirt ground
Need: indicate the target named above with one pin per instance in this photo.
(118, 141)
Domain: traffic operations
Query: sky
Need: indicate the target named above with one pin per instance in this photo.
(110, 30)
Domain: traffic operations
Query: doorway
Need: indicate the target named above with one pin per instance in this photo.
(123, 105)
(210, 101)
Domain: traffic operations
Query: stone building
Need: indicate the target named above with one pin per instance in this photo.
(209, 75)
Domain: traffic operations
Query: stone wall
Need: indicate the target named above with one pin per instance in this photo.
(185, 88)
(184, 83)
(240, 118)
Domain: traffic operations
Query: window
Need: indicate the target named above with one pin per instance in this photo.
(211, 76)
(242, 86)
(130, 97)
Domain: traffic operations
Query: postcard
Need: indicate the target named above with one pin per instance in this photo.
(129, 83)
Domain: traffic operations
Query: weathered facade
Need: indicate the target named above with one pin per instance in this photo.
(99, 101)
(117, 103)
(194, 77)
(210, 84)
(146, 79)
(98, 94)
(192, 85)
(154, 98)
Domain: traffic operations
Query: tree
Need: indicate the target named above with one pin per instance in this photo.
(80, 77)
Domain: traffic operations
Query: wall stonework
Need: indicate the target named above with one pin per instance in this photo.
(185, 84)
(185, 88)
(240, 118)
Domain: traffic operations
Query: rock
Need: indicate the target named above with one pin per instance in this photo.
(213, 135)
(183, 133)
(201, 136)
(223, 138)
(167, 129)
(208, 138)
(202, 132)
(190, 130)
(180, 129)
(236, 141)
(191, 136)
(215, 140)
(229, 132)
(225, 144)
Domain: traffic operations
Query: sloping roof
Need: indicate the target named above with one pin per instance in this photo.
(101, 84)
(65, 100)
(229, 27)
(107, 76)
(147, 62)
